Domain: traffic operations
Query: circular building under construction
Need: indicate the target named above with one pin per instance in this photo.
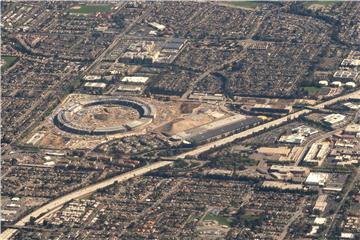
(104, 116)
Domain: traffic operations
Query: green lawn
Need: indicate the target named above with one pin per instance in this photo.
(311, 91)
(8, 62)
(244, 4)
(220, 219)
(89, 9)
(251, 219)
(323, 3)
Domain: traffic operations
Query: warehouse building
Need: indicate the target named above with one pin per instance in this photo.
(95, 85)
(271, 108)
(135, 80)
(130, 89)
(211, 130)
(317, 178)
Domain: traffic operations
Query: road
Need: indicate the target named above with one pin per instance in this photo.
(212, 69)
(257, 129)
(117, 40)
(295, 216)
(56, 203)
(322, 137)
(350, 187)
(314, 140)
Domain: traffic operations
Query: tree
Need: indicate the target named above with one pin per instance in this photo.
(32, 220)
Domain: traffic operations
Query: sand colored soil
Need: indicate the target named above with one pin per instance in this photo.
(188, 107)
(183, 124)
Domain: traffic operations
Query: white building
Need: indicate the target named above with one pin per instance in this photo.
(92, 78)
(157, 26)
(334, 119)
(293, 139)
(135, 80)
(95, 85)
(317, 178)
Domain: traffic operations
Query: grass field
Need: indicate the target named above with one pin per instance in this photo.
(311, 91)
(8, 62)
(243, 4)
(323, 3)
(89, 9)
(220, 219)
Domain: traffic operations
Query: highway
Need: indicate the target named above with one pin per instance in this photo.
(257, 129)
(58, 202)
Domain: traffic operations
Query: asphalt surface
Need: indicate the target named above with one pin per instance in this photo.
(271, 124)
(57, 203)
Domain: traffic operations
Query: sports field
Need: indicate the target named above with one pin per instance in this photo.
(219, 219)
(7, 61)
(89, 9)
(311, 90)
(321, 3)
(243, 4)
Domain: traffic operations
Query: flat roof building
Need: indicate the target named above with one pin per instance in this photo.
(352, 129)
(320, 203)
(157, 26)
(271, 108)
(208, 131)
(95, 85)
(317, 153)
(92, 78)
(135, 80)
(345, 75)
(129, 88)
(292, 139)
(334, 119)
(317, 178)
(289, 169)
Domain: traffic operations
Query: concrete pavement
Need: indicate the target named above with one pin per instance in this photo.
(49, 207)
(257, 129)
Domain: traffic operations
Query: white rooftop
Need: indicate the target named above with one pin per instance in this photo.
(135, 79)
(320, 221)
(317, 178)
(334, 118)
(95, 85)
